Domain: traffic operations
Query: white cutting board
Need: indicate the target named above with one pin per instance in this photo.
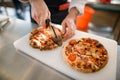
(54, 58)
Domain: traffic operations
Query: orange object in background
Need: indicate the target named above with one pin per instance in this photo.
(105, 1)
(83, 20)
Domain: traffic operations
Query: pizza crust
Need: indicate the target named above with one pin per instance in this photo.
(90, 60)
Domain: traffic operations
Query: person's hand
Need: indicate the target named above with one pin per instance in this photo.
(68, 27)
(40, 11)
(68, 24)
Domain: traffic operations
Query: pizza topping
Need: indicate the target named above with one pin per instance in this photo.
(72, 57)
(72, 42)
(88, 53)
(99, 45)
(78, 65)
(67, 53)
(78, 50)
(69, 48)
(35, 43)
(85, 58)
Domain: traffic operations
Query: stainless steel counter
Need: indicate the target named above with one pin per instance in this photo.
(13, 65)
(16, 66)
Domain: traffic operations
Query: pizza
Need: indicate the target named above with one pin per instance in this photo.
(85, 55)
(41, 38)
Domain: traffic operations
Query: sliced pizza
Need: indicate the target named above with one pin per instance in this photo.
(41, 38)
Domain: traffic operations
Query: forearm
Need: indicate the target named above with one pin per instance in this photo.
(73, 13)
(29, 1)
(32, 1)
(79, 4)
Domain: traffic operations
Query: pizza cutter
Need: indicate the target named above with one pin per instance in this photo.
(56, 38)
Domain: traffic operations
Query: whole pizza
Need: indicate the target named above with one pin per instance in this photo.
(41, 38)
(85, 55)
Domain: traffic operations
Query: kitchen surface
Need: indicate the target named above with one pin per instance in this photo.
(16, 65)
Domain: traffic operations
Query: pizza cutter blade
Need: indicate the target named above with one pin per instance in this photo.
(56, 38)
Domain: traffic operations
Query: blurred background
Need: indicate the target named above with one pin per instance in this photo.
(101, 17)
(104, 16)
(14, 9)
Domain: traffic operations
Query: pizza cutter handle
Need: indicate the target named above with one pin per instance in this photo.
(47, 21)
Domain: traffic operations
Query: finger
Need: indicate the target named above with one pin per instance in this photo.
(43, 19)
(69, 33)
(67, 37)
(36, 18)
(63, 28)
(48, 15)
